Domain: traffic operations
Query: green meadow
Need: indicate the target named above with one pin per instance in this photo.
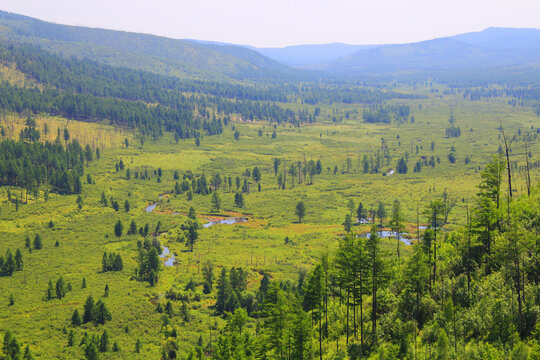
(258, 244)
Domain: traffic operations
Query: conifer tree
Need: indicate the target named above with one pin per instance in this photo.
(104, 341)
(38, 242)
(89, 310)
(118, 228)
(300, 211)
(76, 318)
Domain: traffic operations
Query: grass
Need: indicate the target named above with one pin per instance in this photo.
(258, 244)
(97, 135)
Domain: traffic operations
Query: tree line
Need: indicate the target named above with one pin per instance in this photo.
(31, 165)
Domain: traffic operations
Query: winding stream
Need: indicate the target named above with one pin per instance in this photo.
(390, 234)
(166, 252)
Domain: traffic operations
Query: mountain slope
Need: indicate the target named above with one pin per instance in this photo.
(502, 38)
(491, 48)
(141, 51)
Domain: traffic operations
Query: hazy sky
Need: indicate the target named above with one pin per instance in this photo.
(287, 22)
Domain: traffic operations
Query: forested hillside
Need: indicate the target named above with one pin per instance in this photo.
(166, 56)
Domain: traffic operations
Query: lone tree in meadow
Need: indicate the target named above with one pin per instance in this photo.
(76, 318)
(118, 228)
(361, 211)
(351, 206)
(277, 163)
(216, 201)
(79, 202)
(256, 174)
(190, 229)
(38, 242)
(300, 211)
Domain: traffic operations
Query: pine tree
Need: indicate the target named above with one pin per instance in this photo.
(313, 299)
(7, 266)
(208, 276)
(104, 341)
(60, 288)
(351, 206)
(347, 224)
(89, 310)
(71, 338)
(301, 336)
(192, 214)
(216, 201)
(79, 202)
(239, 200)
(76, 318)
(381, 212)
(138, 344)
(402, 166)
(184, 312)
(101, 313)
(38, 242)
(169, 309)
(91, 351)
(50, 291)
(18, 260)
(360, 211)
(224, 293)
(377, 269)
(118, 228)
(132, 228)
(300, 211)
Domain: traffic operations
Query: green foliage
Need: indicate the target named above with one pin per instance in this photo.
(118, 228)
(111, 262)
(149, 264)
(31, 165)
(401, 167)
(216, 201)
(300, 211)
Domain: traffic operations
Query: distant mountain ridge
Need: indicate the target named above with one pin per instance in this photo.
(306, 55)
(490, 48)
(502, 38)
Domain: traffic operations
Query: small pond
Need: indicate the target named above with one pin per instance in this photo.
(150, 208)
(228, 221)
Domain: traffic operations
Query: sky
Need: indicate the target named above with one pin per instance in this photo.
(276, 23)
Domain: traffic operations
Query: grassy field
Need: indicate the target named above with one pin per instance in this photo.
(97, 135)
(258, 244)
